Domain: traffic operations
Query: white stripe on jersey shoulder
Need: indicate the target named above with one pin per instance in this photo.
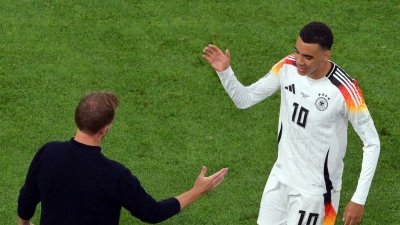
(291, 57)
(332, 70)
(339, 75)
(351, 88)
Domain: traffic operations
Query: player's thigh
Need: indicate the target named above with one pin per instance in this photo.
(273, 204)
(307, 209)
(331, 208)
(335, 200)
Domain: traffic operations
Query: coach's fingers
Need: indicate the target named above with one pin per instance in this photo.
(203, 171)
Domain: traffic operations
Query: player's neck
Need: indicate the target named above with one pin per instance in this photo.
(321, 72)
(92, 140)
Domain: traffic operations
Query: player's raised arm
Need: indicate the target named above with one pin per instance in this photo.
(216, 58)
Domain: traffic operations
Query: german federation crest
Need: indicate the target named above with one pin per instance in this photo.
(322, 102)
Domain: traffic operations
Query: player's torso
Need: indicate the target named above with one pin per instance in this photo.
(310, 105)
(309, 109)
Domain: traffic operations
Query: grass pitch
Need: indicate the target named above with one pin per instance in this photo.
(174, 115)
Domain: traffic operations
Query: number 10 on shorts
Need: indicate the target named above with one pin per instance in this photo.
(312, 218)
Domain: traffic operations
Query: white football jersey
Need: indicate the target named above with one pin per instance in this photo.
(312, 129)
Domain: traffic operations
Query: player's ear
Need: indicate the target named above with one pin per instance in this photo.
(327, 55)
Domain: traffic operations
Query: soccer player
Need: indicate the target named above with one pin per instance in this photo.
(76, 184)
(318, 98)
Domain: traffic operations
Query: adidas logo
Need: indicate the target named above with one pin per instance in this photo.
(291, 88)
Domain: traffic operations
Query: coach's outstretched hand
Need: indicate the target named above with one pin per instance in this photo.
(24, 222)
(216, 58)
(202, 186)
(207, 184)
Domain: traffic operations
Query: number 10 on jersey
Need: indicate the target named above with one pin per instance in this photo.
(301, 115)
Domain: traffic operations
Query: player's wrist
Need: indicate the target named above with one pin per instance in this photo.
(224, 72)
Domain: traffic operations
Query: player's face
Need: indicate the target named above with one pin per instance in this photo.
(310, 59)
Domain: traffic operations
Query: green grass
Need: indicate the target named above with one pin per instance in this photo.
(174, 115)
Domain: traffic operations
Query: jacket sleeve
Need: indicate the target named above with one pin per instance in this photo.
(29, 195)
(140, 204)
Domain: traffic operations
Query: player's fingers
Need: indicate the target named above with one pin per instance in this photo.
(345, 219)
(207, 50)
(209, 58)
(350, 221)
(214, 48)
(345, 216)
(227, 53)
(207, 53)
(206, 57)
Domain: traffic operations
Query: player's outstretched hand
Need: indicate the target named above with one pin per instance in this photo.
(353, 213)
(206, 184)
(216, 58)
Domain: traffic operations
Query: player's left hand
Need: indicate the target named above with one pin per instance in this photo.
(353, 213)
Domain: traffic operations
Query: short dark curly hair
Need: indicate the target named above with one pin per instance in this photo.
(317, 33)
